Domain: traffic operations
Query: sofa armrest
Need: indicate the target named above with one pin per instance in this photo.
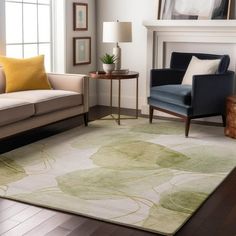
(71, 82)
(166, 76)
(209, 92)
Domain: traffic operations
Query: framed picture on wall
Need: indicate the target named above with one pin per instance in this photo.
(82, 50)
(221, 9)
(80, 16)
(194, 10)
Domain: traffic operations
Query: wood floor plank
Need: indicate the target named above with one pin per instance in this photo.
(59, 231)
(86, 229)
(11, 211)
(31, 223)
(229, 224)
(73, 223)
(105, 229)
(122, 231)
(26, 214)
(49, 225)
(143, 233)
(5, 204)
(7, 225)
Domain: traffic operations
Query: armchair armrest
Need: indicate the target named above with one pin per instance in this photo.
(209, 92)
(166, 76)
(71, 82)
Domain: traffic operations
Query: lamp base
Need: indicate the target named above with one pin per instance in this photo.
(117, 53)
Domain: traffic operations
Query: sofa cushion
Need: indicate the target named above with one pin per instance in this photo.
(13, 110)
(174, 94)
(46, 101)
(24, 74)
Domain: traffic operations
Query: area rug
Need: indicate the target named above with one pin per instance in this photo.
(143, 175)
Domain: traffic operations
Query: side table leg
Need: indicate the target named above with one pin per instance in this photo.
(137, 98)
(119, 102)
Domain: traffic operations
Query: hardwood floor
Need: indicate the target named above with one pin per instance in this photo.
(21, 219)
(217, 216)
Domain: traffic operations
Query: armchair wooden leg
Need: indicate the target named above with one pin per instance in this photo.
(150, 114)
(187, 126)
(86, 119)
(224, 120)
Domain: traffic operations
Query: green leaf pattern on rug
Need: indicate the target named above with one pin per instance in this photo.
(208, 159)
(10, 171)
(126, 170)
(103, 183)
(129, 168)
(160, 128)
(182, 201)
(122, 167)
(136, 154)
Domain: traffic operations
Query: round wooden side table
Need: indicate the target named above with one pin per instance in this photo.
(101, 75)
(230, 129)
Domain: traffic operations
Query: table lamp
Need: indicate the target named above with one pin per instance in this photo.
(117, 32)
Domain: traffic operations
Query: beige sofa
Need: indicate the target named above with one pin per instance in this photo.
(26, 110)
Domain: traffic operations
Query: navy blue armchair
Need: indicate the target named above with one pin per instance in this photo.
(205, 97)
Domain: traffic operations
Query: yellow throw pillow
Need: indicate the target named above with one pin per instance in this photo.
(24, 74)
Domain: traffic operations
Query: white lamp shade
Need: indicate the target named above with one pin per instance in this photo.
(114, 32)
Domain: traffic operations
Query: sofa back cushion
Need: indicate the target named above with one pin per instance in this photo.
(2, 81)
(180, 61)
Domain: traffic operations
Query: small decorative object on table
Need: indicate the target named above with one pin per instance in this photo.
(230, 129)
(108, 62)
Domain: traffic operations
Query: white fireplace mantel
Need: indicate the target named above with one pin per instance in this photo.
(192, 25)
(189, 31)
(160, 32)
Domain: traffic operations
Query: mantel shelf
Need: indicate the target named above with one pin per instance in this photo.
(165, 25)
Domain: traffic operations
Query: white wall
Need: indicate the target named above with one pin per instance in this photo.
(2, 28)
(133, 54)
(70, 33)
(59, 36)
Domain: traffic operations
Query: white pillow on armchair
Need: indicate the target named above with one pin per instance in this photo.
(200, 67)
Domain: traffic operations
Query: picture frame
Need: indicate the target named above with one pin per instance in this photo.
(194, 10)
(159, 10)
(81, 50)
(80, 16)
(222, 11)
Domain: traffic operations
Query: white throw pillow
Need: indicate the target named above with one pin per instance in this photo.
(200, 67)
